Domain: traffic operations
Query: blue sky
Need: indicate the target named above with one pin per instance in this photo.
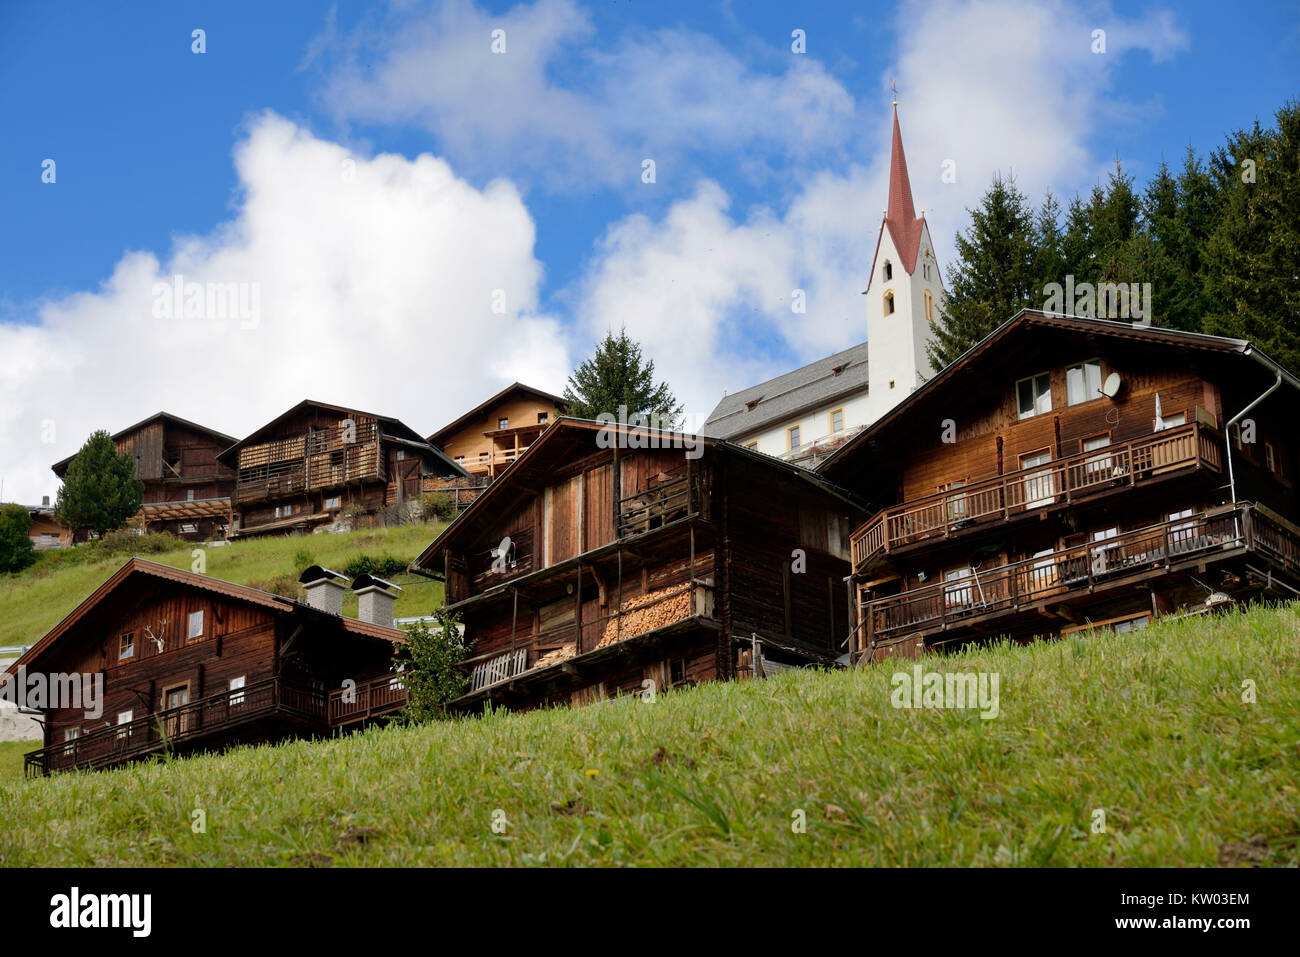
(770, 168)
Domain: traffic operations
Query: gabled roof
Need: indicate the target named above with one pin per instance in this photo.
(437, 437)
(392, 429)
(61, 467)
(530, 469)
(779, 399)
(140, 567)
(989, 350)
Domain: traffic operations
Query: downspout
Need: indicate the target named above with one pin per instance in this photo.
(1280, 373)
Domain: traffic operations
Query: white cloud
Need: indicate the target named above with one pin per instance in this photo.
(994, 85)
(566, 107)
(375, 284)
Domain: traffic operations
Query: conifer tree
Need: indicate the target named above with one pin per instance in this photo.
(618, 376)
(100, 490)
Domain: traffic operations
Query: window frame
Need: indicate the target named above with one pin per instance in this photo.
(503, 422)
(831, 416)
(126, 646)
(189, 626)
(793, 432)
(1083, 366)
(236, 691)
(1033, 379)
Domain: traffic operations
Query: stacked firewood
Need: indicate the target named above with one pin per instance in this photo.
(647, 612)
(556, 655)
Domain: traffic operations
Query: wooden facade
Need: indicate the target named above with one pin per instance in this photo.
(486, 439)
(306, 467)
(1014, 496)
(586, 571)
(186, 489)
(192, 663)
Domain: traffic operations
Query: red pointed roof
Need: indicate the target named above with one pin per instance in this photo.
(905, 227)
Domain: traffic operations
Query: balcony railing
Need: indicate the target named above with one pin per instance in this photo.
(158, 731)
(639, 616)
(380, 696)
(1009, 587)
(1064, 480)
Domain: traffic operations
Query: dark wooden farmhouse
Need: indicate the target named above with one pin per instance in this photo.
(304, 468)
(587, 568)
(487, 438)
(1066, 473)
(186, 490)
(192, 663)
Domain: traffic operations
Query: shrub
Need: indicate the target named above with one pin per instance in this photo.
(303, 560)
(286, 586)
(16, 551)
(437, 506)
(128, 543)
(429, 664)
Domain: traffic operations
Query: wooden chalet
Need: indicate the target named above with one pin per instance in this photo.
(186, 490)
(302, 469)
(1067, 473)
(192, 663)
(585, 570)
(46, 532)
(487, 438)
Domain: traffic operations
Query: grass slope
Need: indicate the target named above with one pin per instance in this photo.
(34, 601)
(1151, 727)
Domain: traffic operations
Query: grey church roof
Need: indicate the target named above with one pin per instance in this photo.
(781, 398)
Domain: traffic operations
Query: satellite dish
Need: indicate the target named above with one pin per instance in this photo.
(1110, 388)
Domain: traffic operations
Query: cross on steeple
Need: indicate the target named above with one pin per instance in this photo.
(894, 90)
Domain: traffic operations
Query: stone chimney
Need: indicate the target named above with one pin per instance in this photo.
(375, 600)
(45, 501)
(324, 589)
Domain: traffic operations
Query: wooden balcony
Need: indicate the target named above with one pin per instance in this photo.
(212, 718)
(1021, 586)
(1061, 482)
(380, 696)
(666, 608)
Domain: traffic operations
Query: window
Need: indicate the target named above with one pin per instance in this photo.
(189, 495)
(792, 435)
(503, 423)
(237, 691)
(929, 304)
(837, 421)
(189, 529)
(284, 511)
(460, 460)
(1269, 460)
(1096, 467)
(1171, 421)
(1104, 557)
(959, 594)
(482, 456)
(1182, 536)
(956, 503)
(889, 303)
(887, 271)
(126, 646)
(925, 270)
(1132, 624)
(1044, 573)
(1034, 395)
(401, 455)
(1083, 382)
(196, 625)
(1040, 486)
(677, 671)
(71, 734)
(541, 417)
(124, 717)
(333, 502)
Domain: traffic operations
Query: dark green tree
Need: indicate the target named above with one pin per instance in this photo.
(100, 490)
(1049, 243)
(993, 276)
(617, 375)
(1077, 256)
(16, 551)
(429, 665)
(1252, 264)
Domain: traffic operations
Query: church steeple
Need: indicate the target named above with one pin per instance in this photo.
(905, 227)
